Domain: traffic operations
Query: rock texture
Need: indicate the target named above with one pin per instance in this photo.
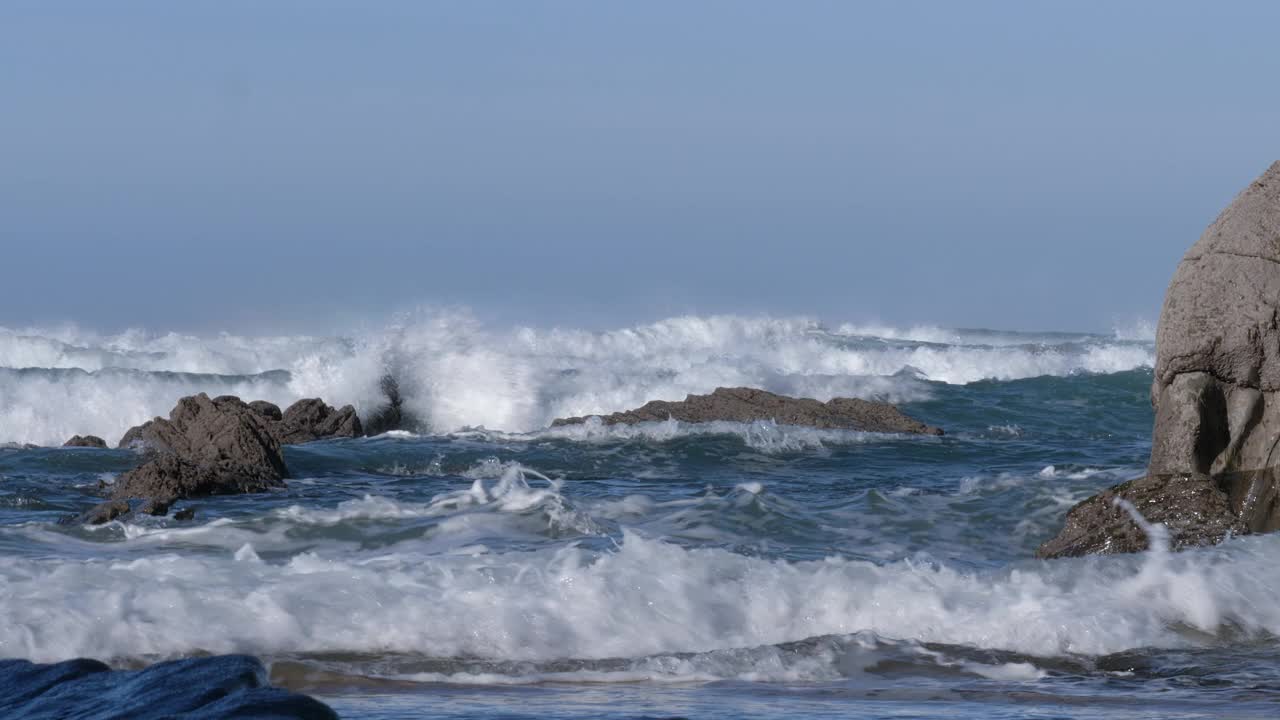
(205, 447)
(86, 441)
(304, 421)
(748, 404)
(1216, 394)
(311, 419)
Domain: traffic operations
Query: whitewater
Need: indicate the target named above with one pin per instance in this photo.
(480, 563)
(455, 372)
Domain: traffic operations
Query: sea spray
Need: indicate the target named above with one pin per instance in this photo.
(455, 372)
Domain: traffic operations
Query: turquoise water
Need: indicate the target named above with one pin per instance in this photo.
(720, 571)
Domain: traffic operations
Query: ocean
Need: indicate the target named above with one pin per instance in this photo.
(481, 565)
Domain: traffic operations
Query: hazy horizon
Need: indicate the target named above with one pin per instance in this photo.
(246, 167)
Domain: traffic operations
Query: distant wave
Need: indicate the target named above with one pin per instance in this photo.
(456, 372)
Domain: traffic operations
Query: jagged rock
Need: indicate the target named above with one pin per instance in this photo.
(749, 404)
(1190, 506)
(205, 447)
(312, 419)
(86, 441)
(99, 514)
(1216, 393)
(304, 421)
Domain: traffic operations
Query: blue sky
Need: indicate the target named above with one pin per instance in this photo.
(262, 165)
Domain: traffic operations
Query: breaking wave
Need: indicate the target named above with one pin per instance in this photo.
(455, 372)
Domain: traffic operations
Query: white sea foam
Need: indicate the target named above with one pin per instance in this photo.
(763, 435)
(642, 599)
(456, 372)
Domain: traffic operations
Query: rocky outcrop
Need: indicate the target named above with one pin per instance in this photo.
(218, 446)
(304, 421)
(749, 404)
(85, 441)
(311, 419)
(1216, 394)
(205, 447)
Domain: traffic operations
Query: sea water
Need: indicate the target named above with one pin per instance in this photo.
(479, 564)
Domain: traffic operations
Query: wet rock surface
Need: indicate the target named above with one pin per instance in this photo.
(209, 688)
(1193, 510)
(749, 404)
(99, 514)
(312, 419)
(86, 441)
(1216, 394)
(217, 446)
(205, 447)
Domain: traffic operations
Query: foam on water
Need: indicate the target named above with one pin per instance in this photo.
(456, 372)
(762, 435)
(645, 598)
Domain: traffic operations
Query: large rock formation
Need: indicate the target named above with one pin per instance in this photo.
(305, 421)
(219, 446)
(206, 447)
(748, 404)
(1216, 394)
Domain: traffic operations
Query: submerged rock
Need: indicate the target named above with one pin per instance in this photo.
(99, 514)
(749, 404)
(226, 686)
(205, 447)
(86, 441)
(1216, 394)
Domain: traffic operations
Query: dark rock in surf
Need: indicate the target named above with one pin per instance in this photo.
(1216, 394)
(185, 514)
(224, 446)
(225, 686)
(1193, 510)
(205, 447)
(391, 416)
(305, 421)
(312, 419)
(99, 514)
(85, 441)
(749, 404)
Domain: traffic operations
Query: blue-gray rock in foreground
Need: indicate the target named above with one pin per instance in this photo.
(209, 688)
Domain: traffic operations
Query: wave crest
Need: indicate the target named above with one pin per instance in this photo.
(455, 372)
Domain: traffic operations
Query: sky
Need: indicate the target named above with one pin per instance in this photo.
(245, 165)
